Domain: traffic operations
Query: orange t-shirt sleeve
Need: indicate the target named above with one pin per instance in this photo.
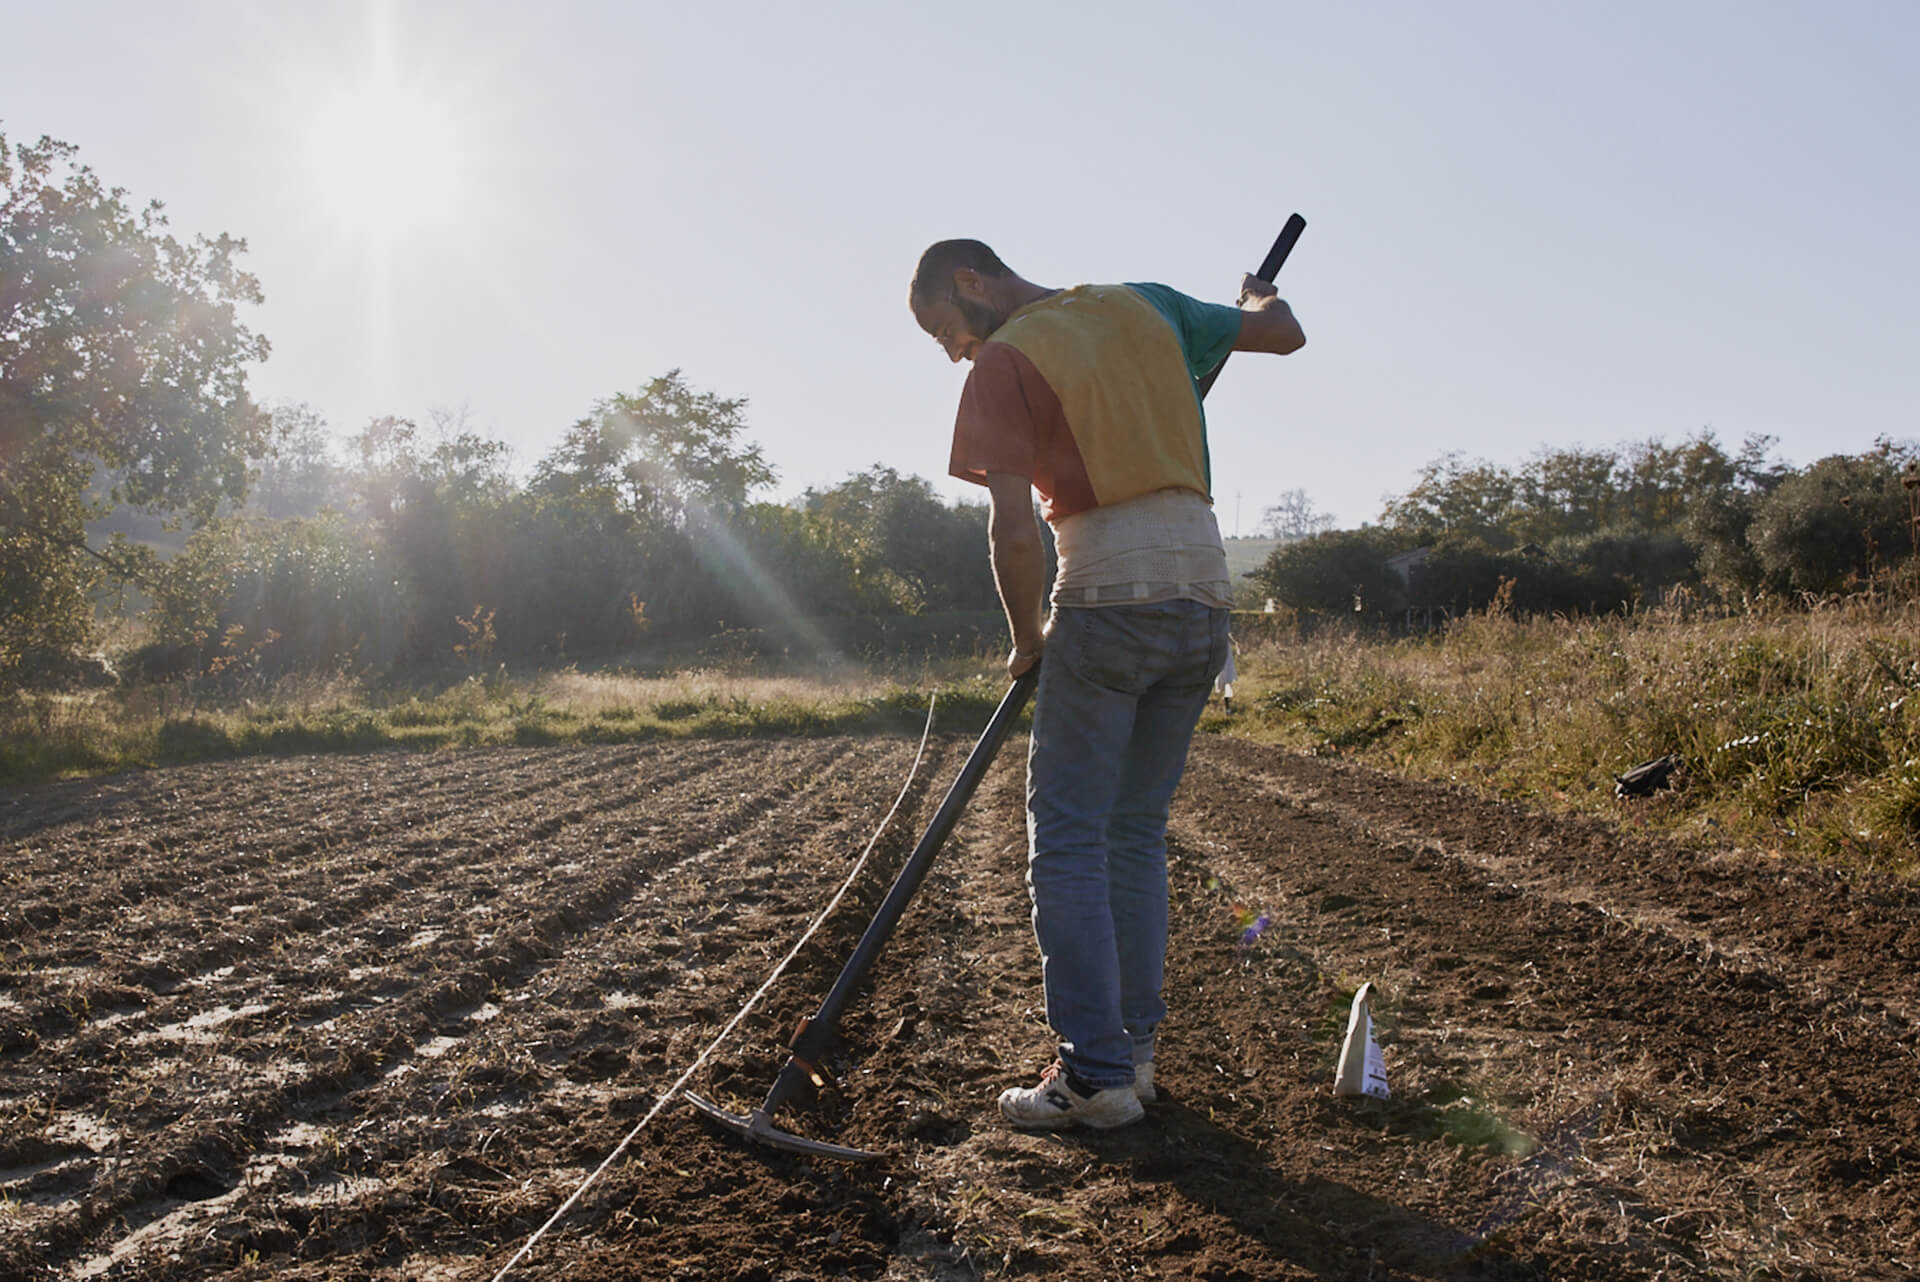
(996, 429)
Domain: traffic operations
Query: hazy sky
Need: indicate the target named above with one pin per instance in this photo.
(1529, 224)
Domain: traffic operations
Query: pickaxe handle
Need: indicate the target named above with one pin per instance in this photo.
(816, 1034)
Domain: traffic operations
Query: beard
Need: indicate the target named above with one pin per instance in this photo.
(981, 318)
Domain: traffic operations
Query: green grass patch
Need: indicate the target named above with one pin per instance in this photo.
(1449, 1113)
(52, 736)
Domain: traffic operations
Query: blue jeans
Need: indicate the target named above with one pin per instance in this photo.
(1121, 689)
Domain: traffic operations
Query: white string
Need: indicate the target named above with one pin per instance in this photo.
(666, 1096)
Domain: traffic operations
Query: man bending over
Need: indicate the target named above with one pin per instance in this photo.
(1090, 396)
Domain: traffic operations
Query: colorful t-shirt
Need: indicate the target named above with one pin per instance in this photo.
(1091, 393)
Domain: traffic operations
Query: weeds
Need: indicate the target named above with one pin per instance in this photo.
(1800, 730)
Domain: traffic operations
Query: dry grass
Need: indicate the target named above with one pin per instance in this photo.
(589, 693)
(51, 735)
(1799, 730)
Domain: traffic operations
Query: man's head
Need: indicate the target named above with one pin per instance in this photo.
(961, 293)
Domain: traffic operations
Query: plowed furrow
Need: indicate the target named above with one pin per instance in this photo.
(177, 853)
(378, 907)
(1529, 970)
(458, 974)
(176, 804)
(210, 924)
(1707, 922)
(517, 1061)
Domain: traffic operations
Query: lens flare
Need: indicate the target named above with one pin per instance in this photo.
(1248, 921)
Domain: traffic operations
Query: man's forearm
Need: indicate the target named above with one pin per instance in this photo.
(1019, 566)
(1268, 325)
(1019, 574)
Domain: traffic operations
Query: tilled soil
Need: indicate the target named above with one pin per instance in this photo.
(378, 1016)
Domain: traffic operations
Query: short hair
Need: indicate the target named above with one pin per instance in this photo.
(945, 257)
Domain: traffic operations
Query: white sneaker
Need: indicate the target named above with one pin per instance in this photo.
(1057, 1102)
(1143, 1083)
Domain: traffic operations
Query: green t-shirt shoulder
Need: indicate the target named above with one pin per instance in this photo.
(1207, 330)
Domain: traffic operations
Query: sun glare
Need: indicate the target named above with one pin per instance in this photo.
(387, 162)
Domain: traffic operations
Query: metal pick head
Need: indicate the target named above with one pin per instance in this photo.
(760, 1128)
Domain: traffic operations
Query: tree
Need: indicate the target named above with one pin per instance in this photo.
(1564, 492)
(925, 554)
(635, 494)
(1456, 497)
(1464, 573)
(1720, 518)
(439, 504)
(1340, 572)
(808, 558)
(1642, 563)
(297, 476)
(1836, 523)
(299, 592)
(120, 348)
(1633, 520)
(663, 452)
(1660, 484)
(1294, 517)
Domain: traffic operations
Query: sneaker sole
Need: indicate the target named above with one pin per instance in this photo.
(1068, 1121)
(1072, 1123)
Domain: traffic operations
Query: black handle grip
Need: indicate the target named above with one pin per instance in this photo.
(1282, 246)
(1269, 268)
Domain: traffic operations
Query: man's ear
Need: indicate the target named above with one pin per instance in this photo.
(970, 284)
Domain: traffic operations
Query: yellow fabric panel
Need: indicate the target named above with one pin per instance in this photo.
(1122, 380)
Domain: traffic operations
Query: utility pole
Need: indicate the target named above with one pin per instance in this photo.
(1236, 514)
